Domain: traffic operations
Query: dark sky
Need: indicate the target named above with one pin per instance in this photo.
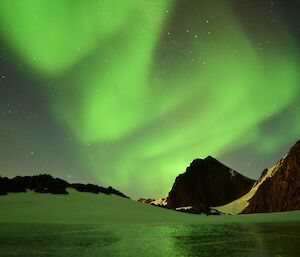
(129, 94)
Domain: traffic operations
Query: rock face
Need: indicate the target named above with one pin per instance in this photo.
(281, 190)
(47, 184)
(207, 183)
(90, 188)
(146, 200)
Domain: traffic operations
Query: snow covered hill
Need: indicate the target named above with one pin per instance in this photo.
(88, 208)
(78, 207)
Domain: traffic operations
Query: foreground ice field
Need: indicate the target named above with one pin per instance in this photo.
(85, 224)
(203, 240)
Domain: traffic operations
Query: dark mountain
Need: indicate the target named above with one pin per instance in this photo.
(207, 183)
(47, 184)
(280, 191)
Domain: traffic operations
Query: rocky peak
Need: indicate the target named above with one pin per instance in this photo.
(207, 182)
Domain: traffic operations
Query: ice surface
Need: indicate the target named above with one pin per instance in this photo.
(141, 240)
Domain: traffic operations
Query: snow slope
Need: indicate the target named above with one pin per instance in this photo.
(238, 205)
(89, 208)
(78, 207)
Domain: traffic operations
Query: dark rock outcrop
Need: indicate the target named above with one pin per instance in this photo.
(146, 200)
(40, 184)
(90, 188)
(199, 209)
(281, 191)
(47, 184)
(207, 183)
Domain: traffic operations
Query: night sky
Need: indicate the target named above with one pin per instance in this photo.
(127, 93)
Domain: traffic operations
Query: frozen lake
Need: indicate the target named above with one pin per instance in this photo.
(243, 239)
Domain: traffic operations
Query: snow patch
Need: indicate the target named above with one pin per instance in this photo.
(185, 208)
(160, 201)
(238, 205)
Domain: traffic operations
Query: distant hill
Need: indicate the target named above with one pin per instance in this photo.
(47, 184)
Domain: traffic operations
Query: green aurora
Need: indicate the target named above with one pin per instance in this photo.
(145, 88)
